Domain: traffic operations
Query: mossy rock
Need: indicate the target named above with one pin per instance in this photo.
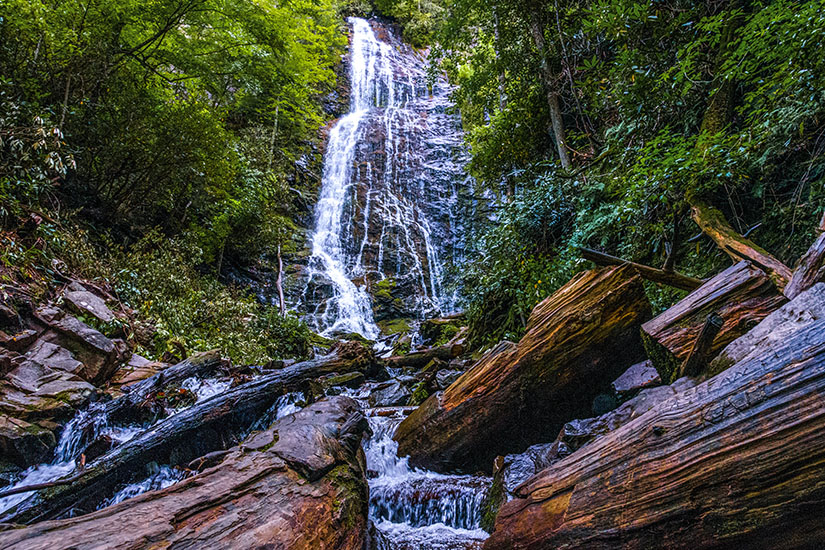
(420, 393)
(394, 326)
(438, 332)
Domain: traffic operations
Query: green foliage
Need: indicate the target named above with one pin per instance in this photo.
(635, 81)
(156, 278)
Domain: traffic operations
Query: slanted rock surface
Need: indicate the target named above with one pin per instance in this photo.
(578, 340)
(299, 485)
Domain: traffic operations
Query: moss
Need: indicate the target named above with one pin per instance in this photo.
(383, 288)
(394, 326)
(664, 362)
(491, 504)
(420, 393)
(351, 499)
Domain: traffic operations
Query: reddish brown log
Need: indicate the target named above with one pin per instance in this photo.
(662, 276)
(811, 269)
(298, 485)
(578, 340)
(742, 295)
(714, 225)
(735, 462)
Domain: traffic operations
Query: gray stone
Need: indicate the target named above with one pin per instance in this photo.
(639, 376)
(84, 302)
(445, 377)
(389, 394)
(24, 444)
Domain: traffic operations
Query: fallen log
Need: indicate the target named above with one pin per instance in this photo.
(578, 340)
(713, 224)
(205, 427)
(733, 463)
(811, 269)
(661, 276)
(742, 295)
(298, 485)
(419, 359)
(697, 360)
(802, 310)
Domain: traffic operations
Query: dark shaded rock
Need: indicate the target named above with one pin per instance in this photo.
(639, 376)
(389, 394)
(348, 380)
(436, 332)
(24, 444)
(18, 341)
(444, 378)
(99, 447)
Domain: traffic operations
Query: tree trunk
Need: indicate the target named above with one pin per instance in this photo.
(280, 284)
(577, 342)
(735, 462)
(205, 427)
(549, 82)
(298, 485)
(662, 276)
(742, 295)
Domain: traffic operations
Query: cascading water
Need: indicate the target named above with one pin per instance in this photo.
(388, 204)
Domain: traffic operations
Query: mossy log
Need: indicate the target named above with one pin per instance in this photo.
(735, 462)
(742, 295)
(298, 485)
(419, 359)
(713, 223)
(205, 427)
(578, 340)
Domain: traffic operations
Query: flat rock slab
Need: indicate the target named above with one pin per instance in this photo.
(84, 302)
(639, 376)
(256, 497)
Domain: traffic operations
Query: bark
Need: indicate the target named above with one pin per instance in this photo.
(714, 225)
(298, 485)
(549, 81)
(733, 463)
(742, 295)
(280, 284)
(525, 392)
(661, 276)
(697, 360)
(205, 427)
(811, 269)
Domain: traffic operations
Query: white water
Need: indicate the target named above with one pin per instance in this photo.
(388, 195)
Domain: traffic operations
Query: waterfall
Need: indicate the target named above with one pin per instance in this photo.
(389, 193)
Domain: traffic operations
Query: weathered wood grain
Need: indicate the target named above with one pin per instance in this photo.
(578, 340)
(736, 462)
(742, 295)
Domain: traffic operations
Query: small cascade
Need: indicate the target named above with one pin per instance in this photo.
(161, 478)
(386, 214)
(413, 508)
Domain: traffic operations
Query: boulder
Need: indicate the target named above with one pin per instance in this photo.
(741, 295)
(445, 377)
(577, 341)
(638, 377)
(99, 355)
(137, 368)
(298, 485)
(88, 304)
(734, 462)
(389, 394)
(24, 444)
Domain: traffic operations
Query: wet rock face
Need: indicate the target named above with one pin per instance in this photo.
(401, 220)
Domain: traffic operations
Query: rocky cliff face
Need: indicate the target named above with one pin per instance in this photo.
(394, 200)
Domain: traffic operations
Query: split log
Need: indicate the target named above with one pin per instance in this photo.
(735, 462)
(298, 485)
(205, 427)
(661, 276)
(802, 310)
(811, 269)
(697, 360)
(713, 224)
(578, 340)
(742, 295)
